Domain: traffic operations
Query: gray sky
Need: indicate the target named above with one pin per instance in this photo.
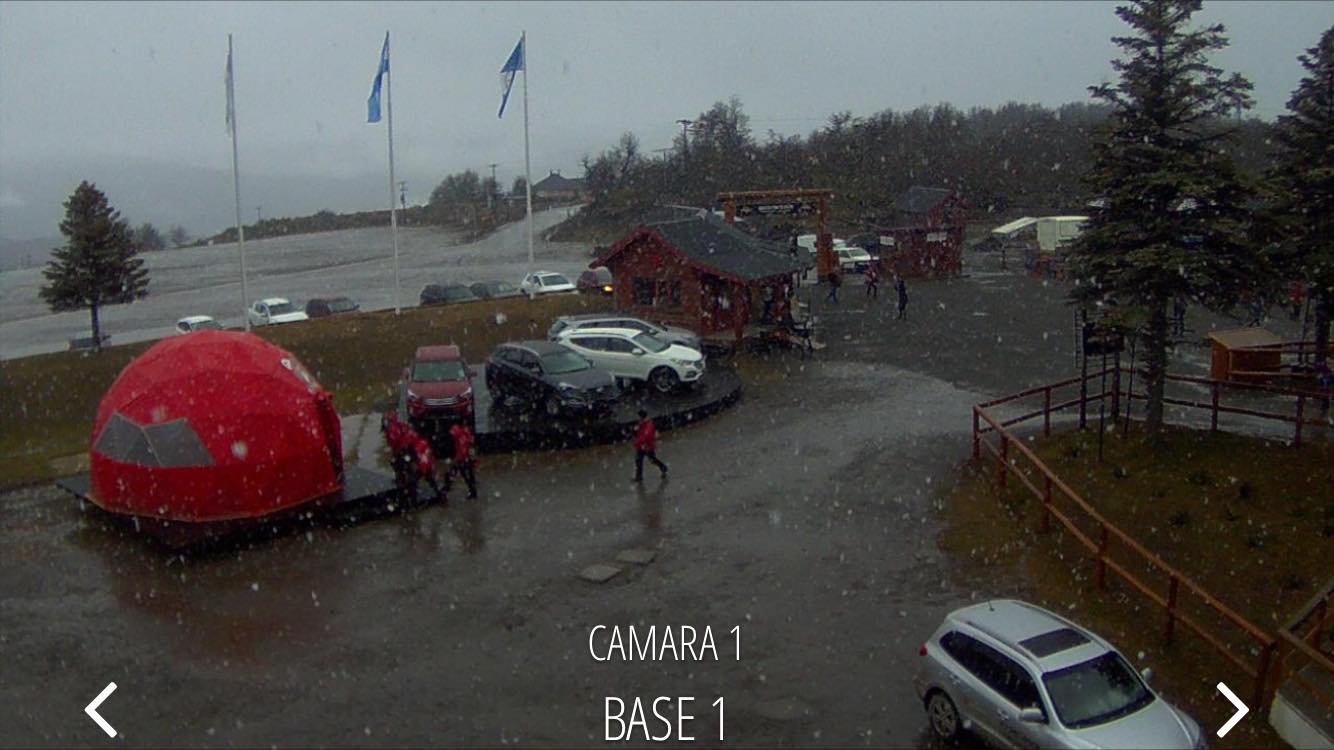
(121, 93)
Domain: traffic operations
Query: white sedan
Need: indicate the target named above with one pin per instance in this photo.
(192, 323)
(634, 355)
(545, 282)
(275, 310)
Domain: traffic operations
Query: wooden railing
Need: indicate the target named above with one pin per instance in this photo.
(1110, 548)
(1304, 645)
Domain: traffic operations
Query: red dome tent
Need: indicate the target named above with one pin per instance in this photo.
(214, 426)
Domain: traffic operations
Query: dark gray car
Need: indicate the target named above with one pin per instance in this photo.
(551, 377)
(494, 289)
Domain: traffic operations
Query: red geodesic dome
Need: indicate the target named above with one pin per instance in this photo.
(211, 426)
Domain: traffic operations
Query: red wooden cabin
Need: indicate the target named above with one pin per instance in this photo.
(924, 236)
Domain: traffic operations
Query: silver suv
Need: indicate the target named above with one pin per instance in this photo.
(670, 334)
(1020, 676)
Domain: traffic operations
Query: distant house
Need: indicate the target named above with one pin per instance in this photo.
(923, 235)
(700, 273)
(554, 187)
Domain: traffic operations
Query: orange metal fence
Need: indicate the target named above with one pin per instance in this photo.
(1174, 592)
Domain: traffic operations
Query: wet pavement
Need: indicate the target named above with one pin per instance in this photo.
(806, 515)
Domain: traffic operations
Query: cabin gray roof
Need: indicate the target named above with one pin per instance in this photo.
(555, 181)
(920, 200)
(714, 244)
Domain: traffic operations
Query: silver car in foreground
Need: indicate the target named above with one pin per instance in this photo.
(1017, 675)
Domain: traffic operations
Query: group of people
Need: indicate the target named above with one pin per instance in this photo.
(414, 461)
(872, 288)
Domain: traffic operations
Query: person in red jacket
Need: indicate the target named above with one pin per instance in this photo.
(465, 459)
(410, 455)
(646, 445)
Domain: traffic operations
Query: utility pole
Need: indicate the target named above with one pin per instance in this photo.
(403, 193)
(491, 194)
(685, 137)
(258, 216)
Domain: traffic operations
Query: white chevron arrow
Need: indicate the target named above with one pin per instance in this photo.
(91, 709)
(1242, 710)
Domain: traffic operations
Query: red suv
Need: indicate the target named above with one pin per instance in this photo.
(439, 386)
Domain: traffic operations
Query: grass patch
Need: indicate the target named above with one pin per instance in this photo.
(48, 402)
(1252, 521)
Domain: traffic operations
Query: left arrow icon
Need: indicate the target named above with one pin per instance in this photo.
(91, 709)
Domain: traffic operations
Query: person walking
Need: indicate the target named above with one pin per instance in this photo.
(873, 282)
(646, 446)
(464, 462)
(835, 281)
(901, 287)
(1179, 317)
(411, 456)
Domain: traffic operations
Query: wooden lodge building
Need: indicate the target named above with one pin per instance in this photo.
(923, 237)
(702, 274)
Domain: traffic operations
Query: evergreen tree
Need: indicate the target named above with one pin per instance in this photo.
(1303, 181)
(148, 239)
(1171, 223)
(99, 264)
(178, 235)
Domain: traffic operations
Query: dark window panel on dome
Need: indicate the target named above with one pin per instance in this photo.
(176, 444)
(124, 441)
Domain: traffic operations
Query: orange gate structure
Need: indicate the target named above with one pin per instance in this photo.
(799, 202)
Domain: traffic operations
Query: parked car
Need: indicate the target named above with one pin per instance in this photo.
(86, 342)
(192, 323)
(1020, 676)
(322, 307)
(544, 282)
(670, 334)
(274, 310)
(595, 281)
(494, 289)
(634, 355)
(439, 387)
(852, 259)
(446, 294)
(549, 376)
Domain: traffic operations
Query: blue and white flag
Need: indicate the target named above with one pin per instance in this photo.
(507, 73)
(373, 104)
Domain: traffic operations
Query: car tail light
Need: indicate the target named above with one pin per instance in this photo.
(922, 651)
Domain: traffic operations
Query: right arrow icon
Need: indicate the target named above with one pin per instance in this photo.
(1242, 710)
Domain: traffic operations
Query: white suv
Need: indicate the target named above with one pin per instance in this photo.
(634, 355)
(275, 310)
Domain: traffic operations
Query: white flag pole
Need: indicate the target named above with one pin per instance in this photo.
(236, 184)
(393, 207)
(527, 168)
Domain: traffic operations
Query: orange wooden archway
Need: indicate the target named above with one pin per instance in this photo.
(797, 202)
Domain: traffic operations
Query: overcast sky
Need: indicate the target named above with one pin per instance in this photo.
(90, 87)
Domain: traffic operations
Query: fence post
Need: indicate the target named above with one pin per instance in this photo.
(1213, 396)
(977, 437)
(1297, 431)
(1002, 459)
(1046, 411)
(1171, 608)
(1262, 676)
(1116, 390)
(1102, 559)
(1046, 505)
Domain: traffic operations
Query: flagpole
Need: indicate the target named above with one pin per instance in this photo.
(527, 168)
(236, 185)
(393, 208)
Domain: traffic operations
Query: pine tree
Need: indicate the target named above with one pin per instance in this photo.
(1303, 180)
(99, 264)
(1171, 223)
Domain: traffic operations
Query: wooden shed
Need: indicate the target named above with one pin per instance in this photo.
(1234, 356)
(924, 235)
(700, 273)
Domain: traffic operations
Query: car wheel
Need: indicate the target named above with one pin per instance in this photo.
(664, 379)
(552, 406)
(943, 715)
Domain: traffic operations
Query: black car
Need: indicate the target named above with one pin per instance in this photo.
(494, 289)
(445, 294)
(322, 307)
(549, 376)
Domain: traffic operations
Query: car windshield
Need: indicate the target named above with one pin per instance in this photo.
(457, 293)
(438, 371)
(205, 325)
(560, 363)
(500, 287)
(282, 309)
(650, 342)
(603, 276)
(342, 305)
(552, 279)
(1096, 692)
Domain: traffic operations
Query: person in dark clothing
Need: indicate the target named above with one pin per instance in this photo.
(901, 287)
(646, 446)
(1179, 317)
(464, 462)
(835, 281)
(873, 282)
